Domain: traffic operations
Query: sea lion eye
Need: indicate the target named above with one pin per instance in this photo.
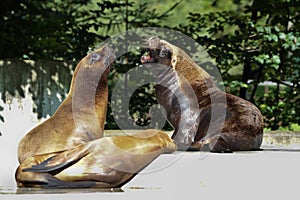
(164, 52)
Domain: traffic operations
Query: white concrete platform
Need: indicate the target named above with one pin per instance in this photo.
(264, 174)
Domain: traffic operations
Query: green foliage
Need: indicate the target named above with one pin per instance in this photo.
(41, 31)
(65, 31)
(251, 42)
(52, 30)
(44, 80)
(263, 39)
(112, 17)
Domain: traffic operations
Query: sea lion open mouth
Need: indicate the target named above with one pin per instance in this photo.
(157, 52)
(147, 58)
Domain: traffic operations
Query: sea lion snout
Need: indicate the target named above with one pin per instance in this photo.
(105, 54)
(158, 52)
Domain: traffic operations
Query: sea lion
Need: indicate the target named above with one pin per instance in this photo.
(68, 150)
(102, 163)
(214, 120)
(81, 116)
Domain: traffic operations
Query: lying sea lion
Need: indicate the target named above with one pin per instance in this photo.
(102, 163)
(206, 118)
(81, 116)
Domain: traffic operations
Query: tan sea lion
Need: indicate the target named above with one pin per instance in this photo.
(81, 116)
(102, 163)
(68, 150)
(203, 116)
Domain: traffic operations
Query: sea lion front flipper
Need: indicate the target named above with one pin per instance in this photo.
(213, 143)
(227, 142)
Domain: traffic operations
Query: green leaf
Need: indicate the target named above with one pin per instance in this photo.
(260, 29)
(267, 29)
(281, 104)
(276, 59)
(244, 85)
(272, 37)
(282, 36)
(276, 29)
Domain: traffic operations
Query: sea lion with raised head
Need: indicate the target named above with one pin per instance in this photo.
(203, 116)
(102, 163)
(81, 116)
(68, 150)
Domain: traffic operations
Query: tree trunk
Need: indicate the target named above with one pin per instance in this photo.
(247, 71)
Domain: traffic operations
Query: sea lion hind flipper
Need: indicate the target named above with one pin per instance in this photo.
(53, 182)
(47, 181)
(59, 161)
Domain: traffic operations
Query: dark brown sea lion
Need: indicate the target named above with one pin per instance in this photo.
(213, 120)
(103, 163)
(81, 116)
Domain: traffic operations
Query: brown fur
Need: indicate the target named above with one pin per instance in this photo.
(68, 150)
(102, 163)
(200, 127)
(69, 125)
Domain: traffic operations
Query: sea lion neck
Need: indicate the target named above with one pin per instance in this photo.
(189, 72)
(88, 95)
(182, 63)
(90, 92)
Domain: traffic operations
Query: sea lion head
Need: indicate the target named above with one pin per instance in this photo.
(162, 52)
(93, 66)
(159, 51)
(105, 55)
